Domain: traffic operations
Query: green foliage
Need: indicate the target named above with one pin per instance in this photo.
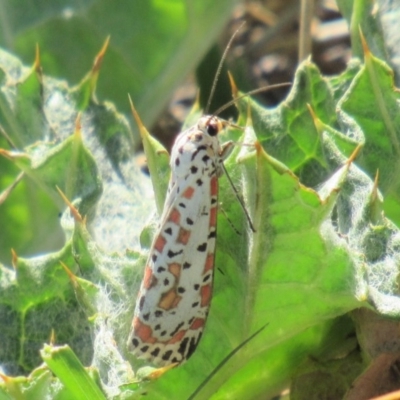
(322, 248)
(148, 53)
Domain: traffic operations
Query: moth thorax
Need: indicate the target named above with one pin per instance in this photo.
(211, 125)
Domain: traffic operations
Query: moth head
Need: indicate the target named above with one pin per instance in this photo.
(211, 125)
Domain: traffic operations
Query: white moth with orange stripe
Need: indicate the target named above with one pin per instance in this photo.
(175, 294)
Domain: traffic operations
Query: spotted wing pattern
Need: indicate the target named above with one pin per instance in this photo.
(175, 294)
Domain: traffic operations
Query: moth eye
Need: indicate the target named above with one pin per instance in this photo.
(212, 128)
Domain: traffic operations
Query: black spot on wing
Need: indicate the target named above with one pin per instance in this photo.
(179, 326)
(199, 182)
(167, 355)
(182, 346)
(155, 352)
(186, 265)
(212, 234)
(141, 302)
(193, 169)
(135, 342)
(200, 148)
(189, 221)
(202, 247)
(192, 345)
(171, 254)
(168, 231)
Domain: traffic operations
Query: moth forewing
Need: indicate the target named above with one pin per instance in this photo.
(175, 294)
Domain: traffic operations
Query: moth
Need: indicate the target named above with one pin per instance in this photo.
(176, 291)
(175, 294)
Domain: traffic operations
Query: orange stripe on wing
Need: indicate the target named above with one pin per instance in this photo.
(213, 217)
(209, 263)
(214, 186)
(160, 243)
(197, 324)
(175, 269)
(149, 280)
(143, 331)
(177, 337)
(183, 236)
(205, 293)
(169, 300)
(188, 193)
(175, 216)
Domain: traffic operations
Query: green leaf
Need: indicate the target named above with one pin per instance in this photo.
(63, 363)
(153, 44)
(39, 290)
(361, 16)
(373, 102)
(37, 386)
(62, 158)
(157, 161)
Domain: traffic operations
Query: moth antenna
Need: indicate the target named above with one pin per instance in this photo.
(218, 72)
(240, 199)
(255, 91)
(225, 360)
(229, 221)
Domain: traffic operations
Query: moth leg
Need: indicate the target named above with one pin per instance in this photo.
(226, 149)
